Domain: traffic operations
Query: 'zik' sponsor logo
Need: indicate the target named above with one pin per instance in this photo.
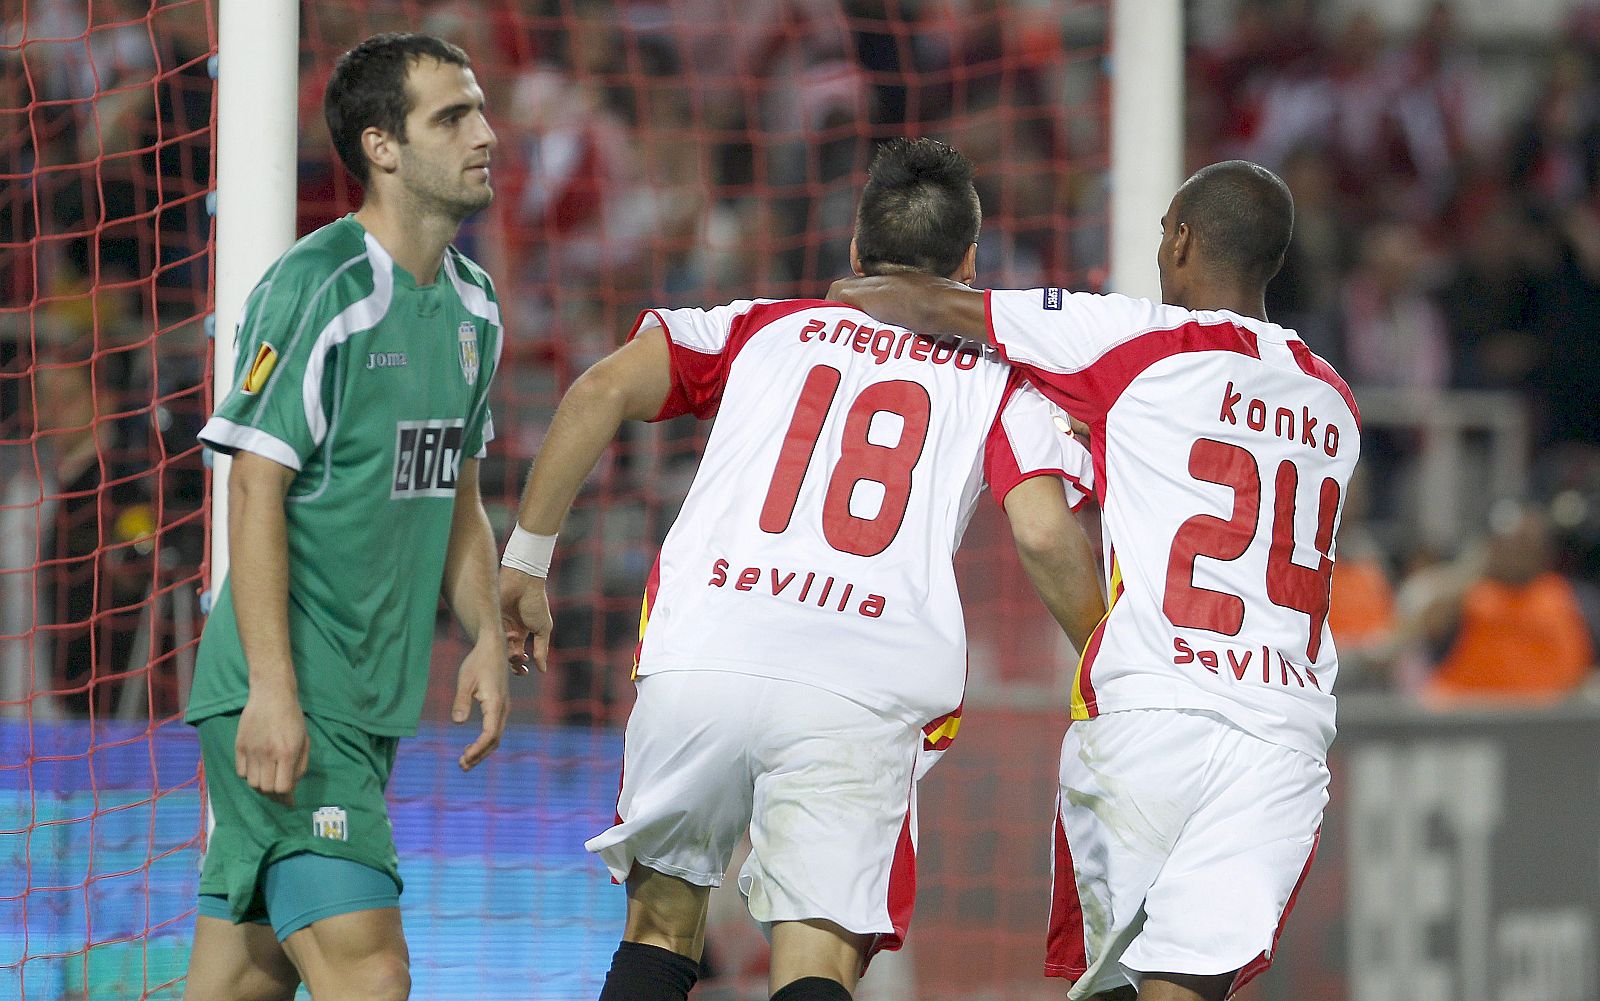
(427, 458)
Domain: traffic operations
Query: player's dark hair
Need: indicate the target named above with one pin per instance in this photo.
(1242, 215)
(919, 210)
(368, 90)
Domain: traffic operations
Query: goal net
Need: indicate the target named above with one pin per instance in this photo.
(652, 152)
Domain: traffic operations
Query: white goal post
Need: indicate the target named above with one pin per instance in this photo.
(258, 77)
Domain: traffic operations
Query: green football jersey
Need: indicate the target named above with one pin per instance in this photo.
(373, 390)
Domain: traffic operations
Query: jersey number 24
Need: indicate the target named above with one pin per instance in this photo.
(1289, 584)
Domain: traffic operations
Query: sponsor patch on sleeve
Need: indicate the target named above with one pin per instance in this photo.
(261, 367)
(1052, 298)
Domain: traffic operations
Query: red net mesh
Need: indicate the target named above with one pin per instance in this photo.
(105, 253)
(675, 152)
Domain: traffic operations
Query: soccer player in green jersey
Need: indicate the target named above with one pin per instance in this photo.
(356, 419)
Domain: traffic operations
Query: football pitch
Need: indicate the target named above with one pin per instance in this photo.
(99, 860)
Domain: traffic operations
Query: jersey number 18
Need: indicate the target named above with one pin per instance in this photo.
(860, 459)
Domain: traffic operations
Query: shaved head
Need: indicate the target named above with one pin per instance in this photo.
(1242, 216)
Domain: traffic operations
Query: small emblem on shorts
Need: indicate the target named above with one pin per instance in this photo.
(467, 338)
(1052, 298)
(329, 822)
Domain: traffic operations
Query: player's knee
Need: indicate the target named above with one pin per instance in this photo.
(383, 977)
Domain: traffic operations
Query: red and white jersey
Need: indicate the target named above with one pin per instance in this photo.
(1222, 447)
(816, 543)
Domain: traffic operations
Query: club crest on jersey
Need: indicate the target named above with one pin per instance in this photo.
(330, 822)
(1052, 298)
(467, 335)
(427, 458)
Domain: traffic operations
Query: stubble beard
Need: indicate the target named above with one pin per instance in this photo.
(433, 192)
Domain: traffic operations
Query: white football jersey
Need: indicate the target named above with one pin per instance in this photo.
(817, 540)
(1222, 448)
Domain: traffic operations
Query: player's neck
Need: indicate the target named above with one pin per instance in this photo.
(1245, 302)
(416, 240)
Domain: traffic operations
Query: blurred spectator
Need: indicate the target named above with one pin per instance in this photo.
(1362, 609)
(1518, 630)
(1304, 295)
(1395, 334)
(1491, 299)
(91, 581)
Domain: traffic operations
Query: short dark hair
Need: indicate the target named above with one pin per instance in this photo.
(368, 89)
(919, 210)
(1242, 215)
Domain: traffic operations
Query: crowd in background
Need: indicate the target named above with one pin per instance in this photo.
(689, 152)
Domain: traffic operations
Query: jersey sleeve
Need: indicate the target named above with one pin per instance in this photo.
(1033, 437)
(265, 410)
(481, 301)
(1056, 335)
(699, 341)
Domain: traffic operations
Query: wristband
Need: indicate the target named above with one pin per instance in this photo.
(529, 553)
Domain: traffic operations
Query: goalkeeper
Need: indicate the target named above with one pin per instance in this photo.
(357, 416)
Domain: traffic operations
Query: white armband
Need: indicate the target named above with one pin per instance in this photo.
(529, 553)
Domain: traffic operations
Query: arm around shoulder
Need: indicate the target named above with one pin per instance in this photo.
(917, 302)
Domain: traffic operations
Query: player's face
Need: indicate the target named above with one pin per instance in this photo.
(445, 158)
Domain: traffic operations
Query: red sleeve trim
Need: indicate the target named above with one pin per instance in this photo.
(1001, 468)
(698, 377)
(1000, 495)
(1315, 367)
(988, 322)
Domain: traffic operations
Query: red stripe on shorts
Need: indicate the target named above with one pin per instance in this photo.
(1065, 954)
(1259, 965)
(902, 893)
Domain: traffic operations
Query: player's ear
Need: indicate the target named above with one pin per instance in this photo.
(855, 259)
(380, 148)
(967, 272)
(1182, 244)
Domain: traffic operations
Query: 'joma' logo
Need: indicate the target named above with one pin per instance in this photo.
(386, 359)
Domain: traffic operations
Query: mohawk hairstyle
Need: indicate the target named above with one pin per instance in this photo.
(919, 210)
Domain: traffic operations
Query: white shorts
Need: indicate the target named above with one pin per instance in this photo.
(1180, 844)
(824, 785)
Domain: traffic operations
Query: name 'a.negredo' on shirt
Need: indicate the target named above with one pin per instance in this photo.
(885, 343)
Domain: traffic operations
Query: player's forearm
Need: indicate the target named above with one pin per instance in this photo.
(1070, 591)
(470, 562)
(585, 424)
(258, 553)
(1057, 556)
(922, 303)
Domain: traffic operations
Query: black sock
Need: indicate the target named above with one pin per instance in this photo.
(649, 973)
(812, 989)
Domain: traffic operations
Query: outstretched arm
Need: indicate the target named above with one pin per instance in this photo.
(632, 383)
(1056, 555)
(917, 302)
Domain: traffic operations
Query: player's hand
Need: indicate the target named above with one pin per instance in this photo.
(482, 679)
(271, 750)
(525, 611)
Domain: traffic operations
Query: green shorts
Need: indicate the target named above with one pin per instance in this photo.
(339, 813)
